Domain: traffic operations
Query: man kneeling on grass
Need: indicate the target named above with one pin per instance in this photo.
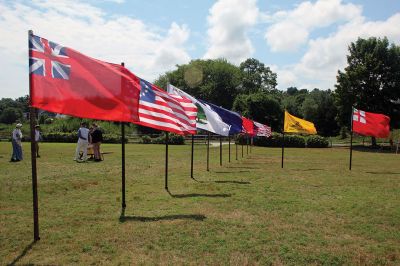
(83, 136)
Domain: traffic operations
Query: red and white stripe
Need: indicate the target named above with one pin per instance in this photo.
(169, 112)
(262, 130)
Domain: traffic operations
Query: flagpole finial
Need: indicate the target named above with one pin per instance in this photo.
(30, 32)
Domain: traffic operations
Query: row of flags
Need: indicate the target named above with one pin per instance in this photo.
(65, 81)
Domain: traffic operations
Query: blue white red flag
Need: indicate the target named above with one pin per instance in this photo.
(233, 119)
(161, 110)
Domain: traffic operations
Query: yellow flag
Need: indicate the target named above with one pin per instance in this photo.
(294, 124)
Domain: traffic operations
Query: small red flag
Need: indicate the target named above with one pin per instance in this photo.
(248, 127)
(68, 82)
(371, 124)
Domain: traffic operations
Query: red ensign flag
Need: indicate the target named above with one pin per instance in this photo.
(68, 82)
(371, 124)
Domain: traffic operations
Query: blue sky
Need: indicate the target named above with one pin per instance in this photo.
(305, 42)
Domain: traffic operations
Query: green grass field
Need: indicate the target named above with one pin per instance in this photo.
(248, 212)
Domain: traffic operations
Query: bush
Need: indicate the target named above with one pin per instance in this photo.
(145, 140)
(60, 137)
(72, 137)
(176, 139)
(173, 139)
(317, 142)
(241, 139)
(275, 140)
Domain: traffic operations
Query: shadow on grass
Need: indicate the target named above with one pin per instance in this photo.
(310, 169)
(195, 217)
(232, 172)
(244, 167)
(232, 182)
(384, 173)
(378, 149)
(23, 253)
(224, 181)
(194, 195)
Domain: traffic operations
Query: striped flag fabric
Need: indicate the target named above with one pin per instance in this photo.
(163, 111)
(262, 130)
(207, 118)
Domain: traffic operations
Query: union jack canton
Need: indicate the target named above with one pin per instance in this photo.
(48, 59)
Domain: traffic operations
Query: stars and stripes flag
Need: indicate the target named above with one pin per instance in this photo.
(65, 81)
(161, 110)
(262, 130)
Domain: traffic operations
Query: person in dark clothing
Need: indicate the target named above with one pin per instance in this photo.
(97, 138)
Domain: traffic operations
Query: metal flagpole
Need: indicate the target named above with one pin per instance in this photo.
(32, 117)
(123, 163)
(283, 146)
(236, 150)
(208, 152)
(166, 160)
(247, 144)
(351, 139)
(220, 150)
(229, 141)
(191, 161)
(251, 143)
(242, 149)
(123, 159)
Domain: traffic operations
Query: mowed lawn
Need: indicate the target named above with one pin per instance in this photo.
(247, 212)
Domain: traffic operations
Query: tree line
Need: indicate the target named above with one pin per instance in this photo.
(369, 82)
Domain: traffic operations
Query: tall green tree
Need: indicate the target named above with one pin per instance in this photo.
(215, 80)
(319, 107)
(371, 80)
(256, 77)
(261, 107)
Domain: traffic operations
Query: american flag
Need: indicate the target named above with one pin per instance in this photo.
(262, 130)
(161, 110)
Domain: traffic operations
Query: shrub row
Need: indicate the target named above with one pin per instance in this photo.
(72, 137)
(173, 139)
(295, 141)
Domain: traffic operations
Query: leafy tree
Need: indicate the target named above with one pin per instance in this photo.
(293, 100)
(256, 77)
(370, 81)
(319, 107)
(292, 90)
(8, 102)
(216, 80)
(10, 115)
(261, 107)
(24, 103)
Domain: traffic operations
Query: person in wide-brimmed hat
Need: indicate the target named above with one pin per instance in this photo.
(16, 143)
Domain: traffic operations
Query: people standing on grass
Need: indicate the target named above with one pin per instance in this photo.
(97, 138)
(83, 138)
(17, 143)
(38, 138)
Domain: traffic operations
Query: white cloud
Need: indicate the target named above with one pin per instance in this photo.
(325, 56)
(147, 51)
(229, 21)
(291, 29)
